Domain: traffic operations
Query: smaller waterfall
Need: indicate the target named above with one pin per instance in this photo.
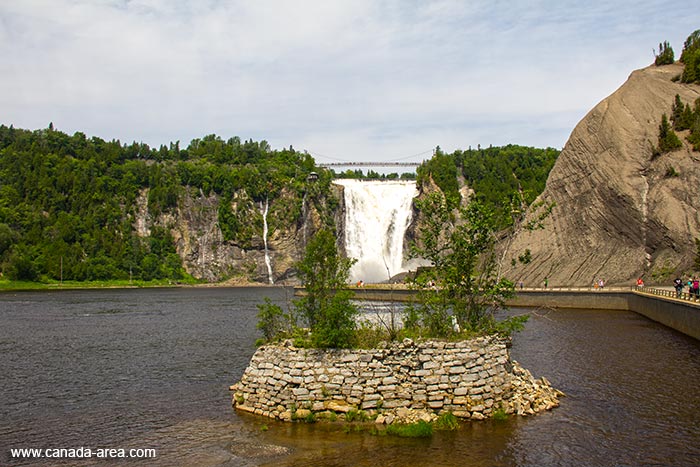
(263, 211)
(377, 214)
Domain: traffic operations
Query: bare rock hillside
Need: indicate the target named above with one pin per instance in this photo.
(619, 214)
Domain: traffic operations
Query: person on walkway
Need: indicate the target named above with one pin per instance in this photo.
(545, 282)
(678, 285)
(640, 282)
(696, 288)
(690, 288)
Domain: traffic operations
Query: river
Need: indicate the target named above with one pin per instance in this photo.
(150, 369)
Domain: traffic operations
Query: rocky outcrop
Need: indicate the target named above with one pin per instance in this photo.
(206, 255)
(401, 382)
(618, 214)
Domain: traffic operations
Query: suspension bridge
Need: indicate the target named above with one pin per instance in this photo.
(369, 164)
(395, 162)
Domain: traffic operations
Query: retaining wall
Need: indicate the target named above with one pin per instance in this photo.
(400, 382)
(681, 315)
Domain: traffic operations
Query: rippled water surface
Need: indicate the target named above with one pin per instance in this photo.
(151, 369)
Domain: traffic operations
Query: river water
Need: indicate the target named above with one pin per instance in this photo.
(150, 369)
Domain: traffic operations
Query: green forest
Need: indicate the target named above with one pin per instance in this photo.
(68, 203)
(500, 176)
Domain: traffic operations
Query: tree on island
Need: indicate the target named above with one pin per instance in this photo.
(461, 291)
(456, 297)
(326, 308)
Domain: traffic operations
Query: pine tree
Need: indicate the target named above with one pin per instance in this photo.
(691, 58)
(676, 112)
(665, 56)
(668, 140)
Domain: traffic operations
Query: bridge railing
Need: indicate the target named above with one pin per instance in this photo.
(669, 293)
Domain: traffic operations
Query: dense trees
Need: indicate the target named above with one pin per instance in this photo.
(68, 203)
(496, 174)
(683, 118)
(665, 56)
(668, 140)
(691, 58)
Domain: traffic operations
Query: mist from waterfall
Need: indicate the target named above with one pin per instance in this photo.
(377, 214)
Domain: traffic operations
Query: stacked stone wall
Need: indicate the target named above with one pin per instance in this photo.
(471, 379)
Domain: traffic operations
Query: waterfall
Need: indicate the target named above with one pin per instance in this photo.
(377, 214)
(263, 211)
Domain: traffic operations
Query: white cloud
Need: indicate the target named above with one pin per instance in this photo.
(377, 78)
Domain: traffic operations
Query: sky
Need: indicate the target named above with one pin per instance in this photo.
(355, 80)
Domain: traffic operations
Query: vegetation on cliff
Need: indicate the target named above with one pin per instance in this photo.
(665, 56)
(683, 118)
(668, 139)
(691, 58)
(498, 175)
(68, 203)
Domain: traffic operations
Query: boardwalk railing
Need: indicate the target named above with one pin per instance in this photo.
(669, 293)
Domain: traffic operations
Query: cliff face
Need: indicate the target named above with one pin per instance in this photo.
(618, 215)
(207, 255)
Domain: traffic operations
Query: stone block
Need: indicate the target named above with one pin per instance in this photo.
(430, 364)
(470, 377)
(430, 380)
(436, 404)
(389, 380)
(369, 404)
(391, 404)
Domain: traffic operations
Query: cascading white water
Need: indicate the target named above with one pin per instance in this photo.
(263, 211)
(377, 214)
